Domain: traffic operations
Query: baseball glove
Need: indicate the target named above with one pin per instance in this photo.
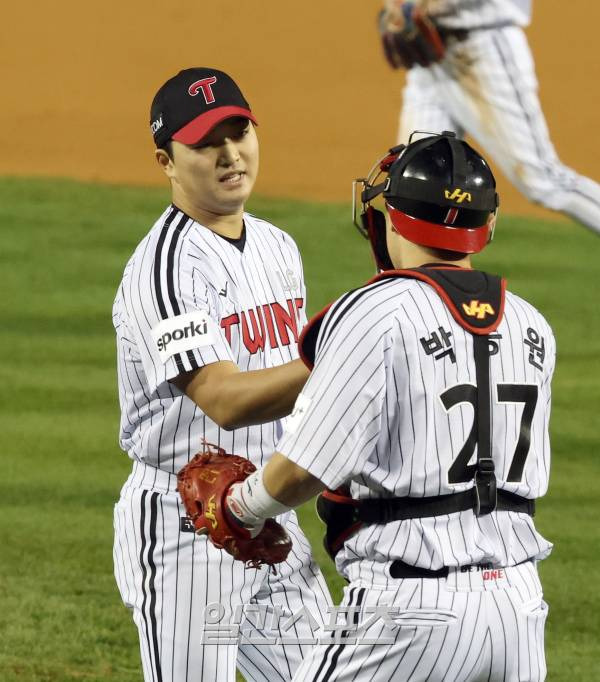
(203, 484)
(409, 36)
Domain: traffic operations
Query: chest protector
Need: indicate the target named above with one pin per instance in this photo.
(476, 301)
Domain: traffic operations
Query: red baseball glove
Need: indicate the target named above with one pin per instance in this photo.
(203, 484)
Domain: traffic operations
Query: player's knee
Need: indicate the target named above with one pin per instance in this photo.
(547, 186)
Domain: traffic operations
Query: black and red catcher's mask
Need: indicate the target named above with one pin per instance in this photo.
(439, 193)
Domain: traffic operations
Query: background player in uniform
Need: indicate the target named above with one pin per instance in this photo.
(475, 74)
(207, 318)
(430, 398)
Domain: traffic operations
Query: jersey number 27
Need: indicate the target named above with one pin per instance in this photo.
(461, 471)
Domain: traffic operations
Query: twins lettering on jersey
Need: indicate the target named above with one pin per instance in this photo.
(270, 322)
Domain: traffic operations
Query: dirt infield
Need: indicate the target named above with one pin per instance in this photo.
(78, 79)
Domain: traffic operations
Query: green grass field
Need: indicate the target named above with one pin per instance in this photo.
(63, 248)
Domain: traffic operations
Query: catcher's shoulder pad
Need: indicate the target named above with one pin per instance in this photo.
(314, 330)
(307, 343)
(474, 298)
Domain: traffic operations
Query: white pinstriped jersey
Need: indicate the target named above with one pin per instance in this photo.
(469, 14)
(389, 407)
(188, 298)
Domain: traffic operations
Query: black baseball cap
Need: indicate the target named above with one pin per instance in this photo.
(189, 105)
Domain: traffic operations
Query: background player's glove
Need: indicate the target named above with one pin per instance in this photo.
(203, 485)
(409, 36)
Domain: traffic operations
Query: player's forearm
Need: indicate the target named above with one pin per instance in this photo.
(233, 399)
(260, 396)
(270, 491)
(288, 483)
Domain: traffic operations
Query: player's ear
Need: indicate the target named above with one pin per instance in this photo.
(394, 242)
(164, 161)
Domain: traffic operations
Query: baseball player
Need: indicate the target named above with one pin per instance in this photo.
(207, 319)
(426, 416)
(471, 70)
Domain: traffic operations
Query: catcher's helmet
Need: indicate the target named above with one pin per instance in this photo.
(439, 193)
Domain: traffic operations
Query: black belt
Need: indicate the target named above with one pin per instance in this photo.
(461, 34)
(404, 508)
(400, 570)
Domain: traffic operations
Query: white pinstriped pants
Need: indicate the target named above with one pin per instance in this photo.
(486, 86)
(199, 613)
(467, 628)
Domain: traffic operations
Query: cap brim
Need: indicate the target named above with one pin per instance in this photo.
(195, 130)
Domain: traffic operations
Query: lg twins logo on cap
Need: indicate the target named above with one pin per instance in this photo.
(203, 85)
(183, 333)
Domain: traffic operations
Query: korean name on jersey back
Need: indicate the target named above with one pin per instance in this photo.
(183, 332)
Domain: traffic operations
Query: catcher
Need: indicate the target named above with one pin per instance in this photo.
(428, 509)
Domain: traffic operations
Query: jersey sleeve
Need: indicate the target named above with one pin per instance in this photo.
(176, 320)
(336, 420)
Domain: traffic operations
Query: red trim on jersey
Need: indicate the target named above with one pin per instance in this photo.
(502, 300)
(315, 320)
(340, 498)
(411, 273)
(342, 537)
(334, 496)
(447, 300)
(195, 130)
(463, 239)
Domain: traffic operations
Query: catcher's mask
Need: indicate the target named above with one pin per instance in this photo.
(439, 192)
